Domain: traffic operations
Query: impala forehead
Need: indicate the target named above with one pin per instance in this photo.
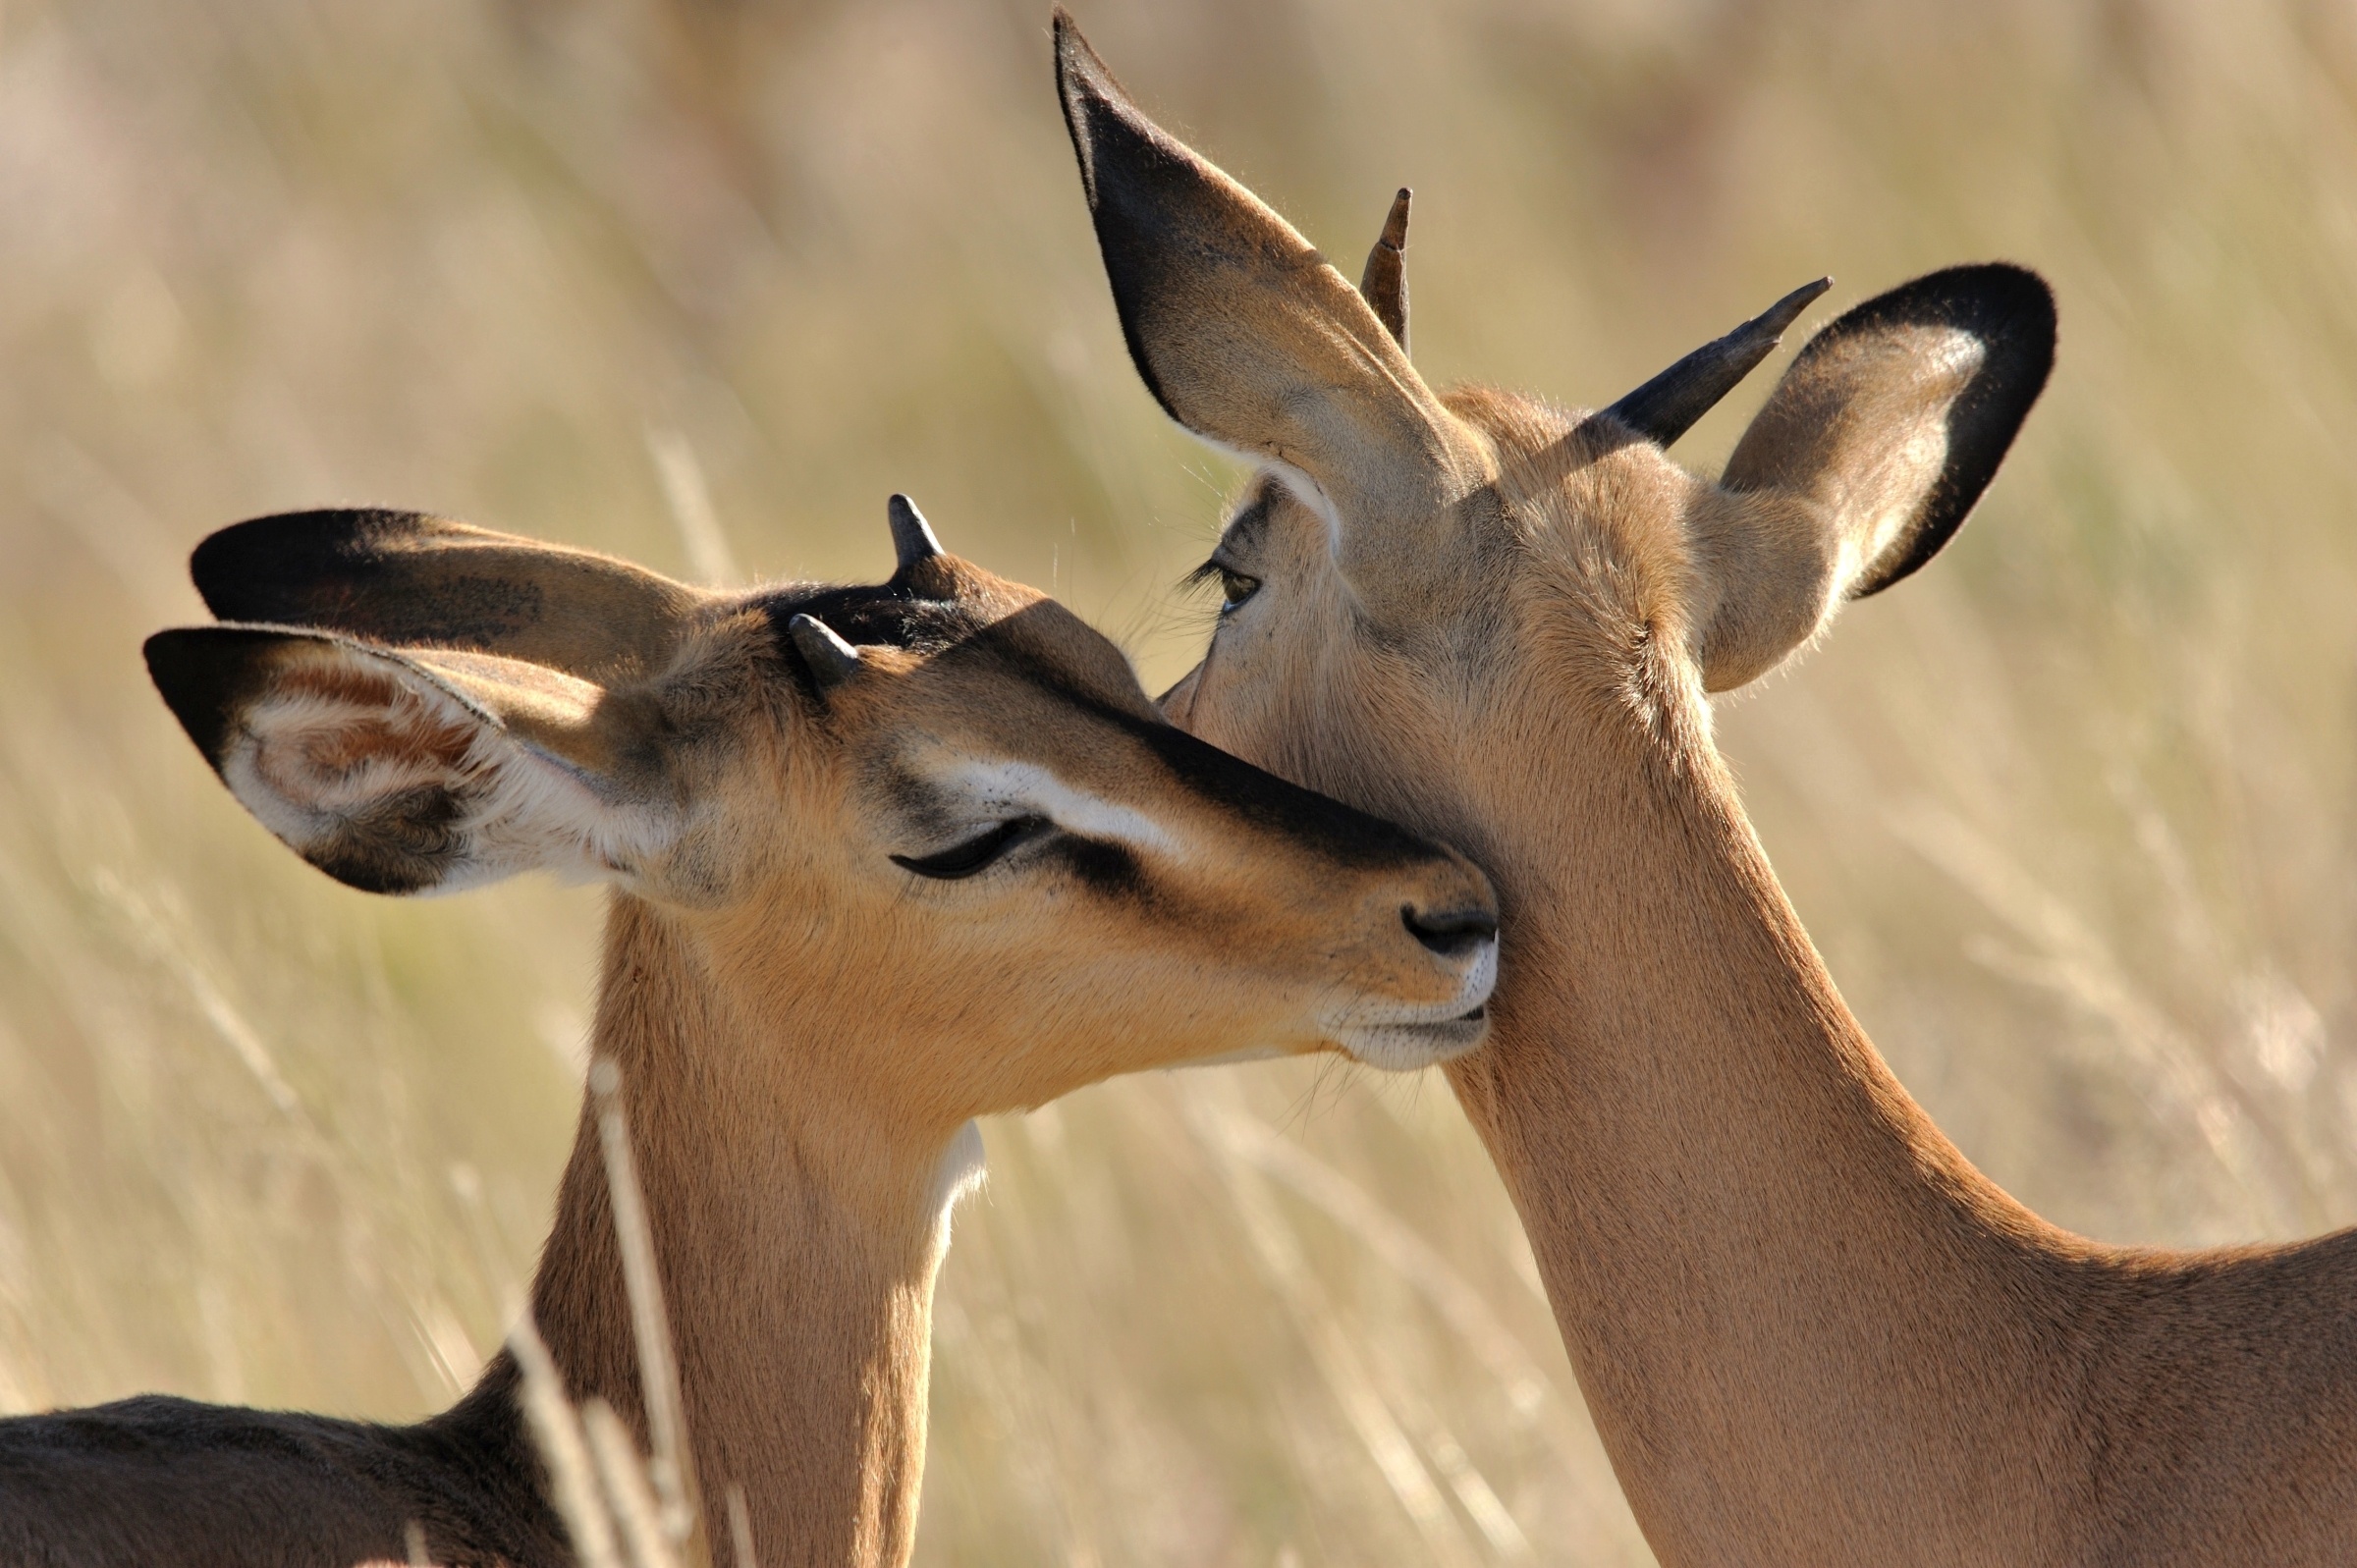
(1248, 524)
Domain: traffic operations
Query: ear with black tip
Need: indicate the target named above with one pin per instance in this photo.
(1382, 282)
(1867, 458)
(417, 771)
(406, 579)
(913, 538)
(1247, 336)
(832, 661)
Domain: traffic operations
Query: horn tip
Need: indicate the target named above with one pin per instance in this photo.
(832, 660)
(1781, 314)
(912, 537)
(1383, 283)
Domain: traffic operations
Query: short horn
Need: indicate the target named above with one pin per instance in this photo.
(832, 660)
(1666, 407)
(912, 537)
(1384, 283)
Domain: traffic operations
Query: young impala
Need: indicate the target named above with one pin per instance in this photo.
(883, 860)
(1809, 1330)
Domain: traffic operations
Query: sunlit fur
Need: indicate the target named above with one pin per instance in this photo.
(1808, 1329)
(806, 1030)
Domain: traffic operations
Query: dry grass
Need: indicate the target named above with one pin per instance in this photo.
(2070, 814)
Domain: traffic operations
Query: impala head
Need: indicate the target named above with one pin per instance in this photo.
(938, 814)
(1425, 590)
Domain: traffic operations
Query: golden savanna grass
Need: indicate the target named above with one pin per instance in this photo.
(700, 282)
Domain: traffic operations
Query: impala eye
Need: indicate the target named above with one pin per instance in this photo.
(1235, 589)
(977, 852)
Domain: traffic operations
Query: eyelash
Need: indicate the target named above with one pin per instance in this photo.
(1235, 588)
(977, 853)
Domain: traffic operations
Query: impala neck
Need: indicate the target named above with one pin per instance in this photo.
(1789, 1300)
(797, 1240)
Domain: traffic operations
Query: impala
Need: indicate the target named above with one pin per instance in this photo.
(883, 859)
(1809, 1330)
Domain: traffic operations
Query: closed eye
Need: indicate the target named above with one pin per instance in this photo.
(976, 854)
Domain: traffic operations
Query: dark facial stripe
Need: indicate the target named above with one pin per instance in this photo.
(1348, 835)
(893, 614)
(1106, 869)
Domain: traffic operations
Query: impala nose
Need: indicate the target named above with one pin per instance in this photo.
(1456, 932)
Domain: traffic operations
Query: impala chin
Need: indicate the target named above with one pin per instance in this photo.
(1406, 1047)
(1402, 1036)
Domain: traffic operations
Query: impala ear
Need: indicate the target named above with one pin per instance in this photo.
(1247, 336)
(1866, 459)
(408, 579)
(410, 772)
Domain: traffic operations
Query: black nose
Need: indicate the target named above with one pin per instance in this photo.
(1451, 933)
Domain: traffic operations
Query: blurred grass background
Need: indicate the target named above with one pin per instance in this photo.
(2070, 813)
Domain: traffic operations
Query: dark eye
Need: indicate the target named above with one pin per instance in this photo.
(1235, 589)
(964, 860)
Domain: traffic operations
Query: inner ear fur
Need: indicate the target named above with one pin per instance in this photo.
(407, 771)
(1866, 459)
(1249, 338)
(408, 579)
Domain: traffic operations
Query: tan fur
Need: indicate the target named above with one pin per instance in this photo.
(1809, 1330)
(805, 1029)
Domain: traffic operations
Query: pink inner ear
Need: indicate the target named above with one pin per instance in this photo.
(359, 773)
(330, 738)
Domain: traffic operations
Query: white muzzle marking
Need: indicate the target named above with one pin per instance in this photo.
(1402, 1036)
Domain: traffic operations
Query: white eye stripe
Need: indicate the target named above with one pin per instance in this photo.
(1302, 488)
(1024, 787)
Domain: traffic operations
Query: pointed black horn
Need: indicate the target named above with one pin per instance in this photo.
(1666, 407)
(1384, 283)
(913, 538)
(832, 660)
